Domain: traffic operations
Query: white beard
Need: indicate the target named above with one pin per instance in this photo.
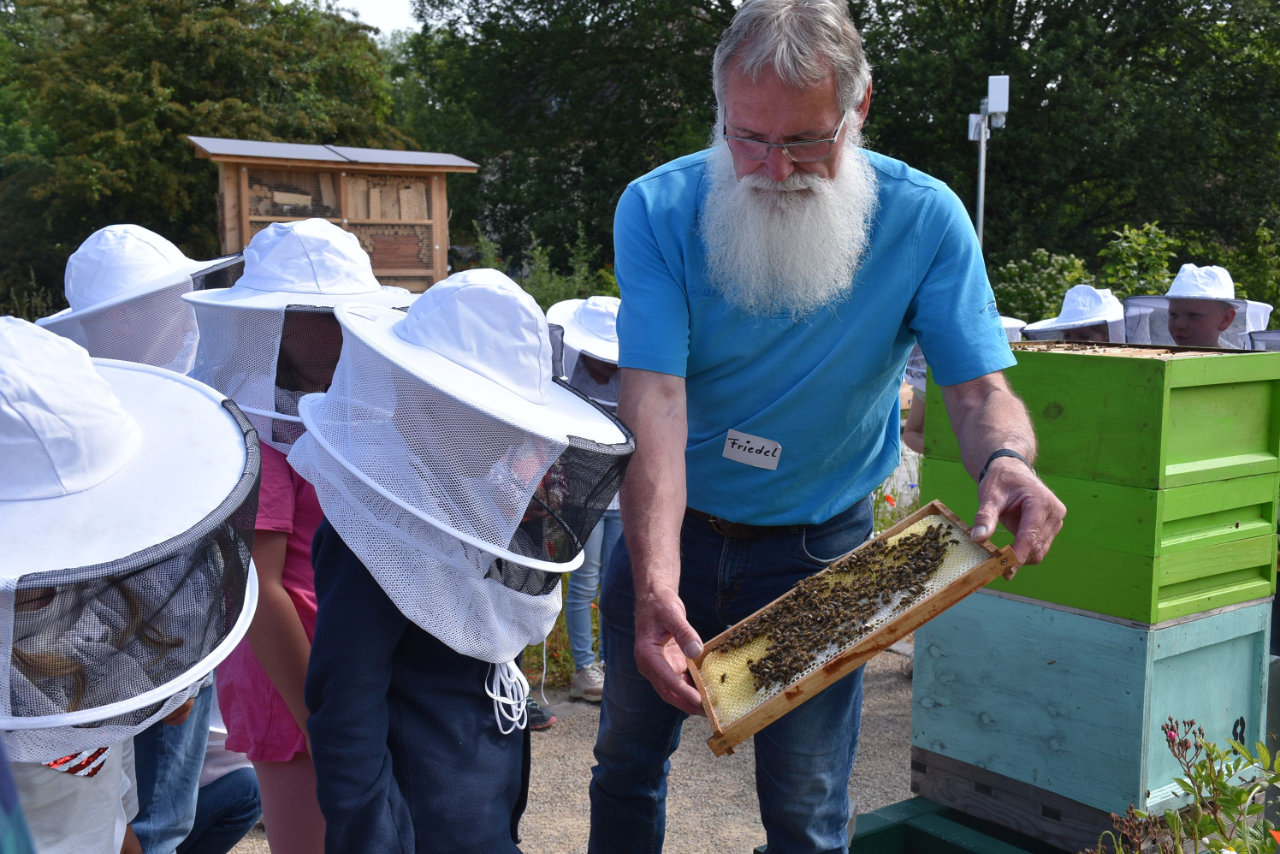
(772, 250)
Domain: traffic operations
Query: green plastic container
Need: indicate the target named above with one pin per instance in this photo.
(1146, 417)
(1147, 555)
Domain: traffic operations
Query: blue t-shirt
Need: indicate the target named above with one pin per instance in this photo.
(825, 388)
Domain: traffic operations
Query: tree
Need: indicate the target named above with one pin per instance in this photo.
(1123, 112)
(112, 86)
(563, 104)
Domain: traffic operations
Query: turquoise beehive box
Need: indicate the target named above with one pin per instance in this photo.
(1072, 703)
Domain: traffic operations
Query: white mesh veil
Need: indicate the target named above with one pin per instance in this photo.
(153, 328)
(265, 359)
(1267, 339)
(463, 498)
(1115, 332)
(1146, 320)
(100, 653)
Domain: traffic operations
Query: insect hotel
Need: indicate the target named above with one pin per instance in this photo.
(1037, 703)
(393, 201)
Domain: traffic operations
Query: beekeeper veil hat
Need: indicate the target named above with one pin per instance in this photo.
(123, 285)
(455, 465)
(590, 329)
(126, 511)
(1082, 305)
(271, 337)
(1147, 317)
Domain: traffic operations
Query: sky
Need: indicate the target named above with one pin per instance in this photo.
(386, 15)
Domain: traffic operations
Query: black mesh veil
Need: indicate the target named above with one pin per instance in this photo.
(103, 647)
(571, 499)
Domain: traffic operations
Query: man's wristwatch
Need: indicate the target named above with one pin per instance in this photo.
(997, 454)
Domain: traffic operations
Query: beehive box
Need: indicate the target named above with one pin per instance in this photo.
(1147, 555)
(1072, 703)
(829, 625)
(1140, 416)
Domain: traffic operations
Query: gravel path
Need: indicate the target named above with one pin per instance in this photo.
(711, 806)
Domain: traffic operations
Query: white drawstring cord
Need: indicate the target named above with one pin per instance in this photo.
(508, 689)
(542, 680)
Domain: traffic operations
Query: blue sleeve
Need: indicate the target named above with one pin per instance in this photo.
(350, 671)
(653, 320)
(953, 313)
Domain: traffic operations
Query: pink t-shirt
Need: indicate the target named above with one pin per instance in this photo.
(257, 719)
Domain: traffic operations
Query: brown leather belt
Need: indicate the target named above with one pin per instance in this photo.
(739, 531)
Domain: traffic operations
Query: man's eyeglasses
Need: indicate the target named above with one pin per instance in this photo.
(804, 151)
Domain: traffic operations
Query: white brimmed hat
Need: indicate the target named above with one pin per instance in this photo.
(1012, 328)
(271, 337)
(1265, 339)
(122, 285)
(1147, 317)
(305, 262)
(126, 511)
(1083, 305)
(590, 325)
(456, 466)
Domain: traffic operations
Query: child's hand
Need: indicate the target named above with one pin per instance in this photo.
(179, 715)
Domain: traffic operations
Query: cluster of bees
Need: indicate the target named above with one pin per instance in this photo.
(836, 606)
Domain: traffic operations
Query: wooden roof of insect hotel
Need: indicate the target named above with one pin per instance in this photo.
(219, 149)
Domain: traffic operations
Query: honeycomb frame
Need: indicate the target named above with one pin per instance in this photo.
(738, 710)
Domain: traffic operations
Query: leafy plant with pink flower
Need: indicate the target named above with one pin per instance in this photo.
(1226, 787)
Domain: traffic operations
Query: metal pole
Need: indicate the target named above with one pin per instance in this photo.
(982, 167)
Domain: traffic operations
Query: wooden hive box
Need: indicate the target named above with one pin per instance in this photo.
(1071, 703)
(1149, 417)
(1147, 555)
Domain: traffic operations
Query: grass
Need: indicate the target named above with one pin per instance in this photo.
(559, 660)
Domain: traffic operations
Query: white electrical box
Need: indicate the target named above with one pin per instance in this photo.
(998, 93)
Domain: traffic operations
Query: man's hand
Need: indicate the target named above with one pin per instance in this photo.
(664, 644)
(1012, 495)
(986, 416)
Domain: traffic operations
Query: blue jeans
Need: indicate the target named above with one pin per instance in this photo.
(227, 809)
(167, 760)
(803, 760)
(582, 587)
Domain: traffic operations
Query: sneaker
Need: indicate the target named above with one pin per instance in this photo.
(539, 718)
(587, 683)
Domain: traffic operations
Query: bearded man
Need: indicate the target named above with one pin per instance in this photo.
(772, 288)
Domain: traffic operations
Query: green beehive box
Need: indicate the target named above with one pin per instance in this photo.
(1151, 417)
(1146, 555)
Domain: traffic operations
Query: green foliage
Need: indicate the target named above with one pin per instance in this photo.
(108, 89)
(24, 298)
(561, 103)
(1255, 268)
(1225, 787)
(1136, 261)
(1032, 288)
(1122, 112)
(549, 287)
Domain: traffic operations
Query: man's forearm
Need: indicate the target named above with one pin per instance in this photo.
(986, 415)
(653, 493)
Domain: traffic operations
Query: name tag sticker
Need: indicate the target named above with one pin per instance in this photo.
(752, 450)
